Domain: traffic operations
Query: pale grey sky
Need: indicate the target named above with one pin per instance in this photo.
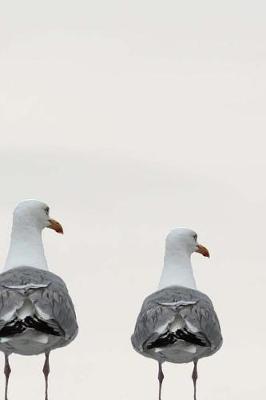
(130, 118)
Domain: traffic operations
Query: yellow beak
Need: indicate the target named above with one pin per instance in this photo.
(202, 250)
(55, 225)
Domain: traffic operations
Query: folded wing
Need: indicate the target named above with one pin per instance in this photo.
(32, 298)
(176, 315)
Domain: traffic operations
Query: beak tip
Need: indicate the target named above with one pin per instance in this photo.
(56, 226)
(203, 250)
(59, 229)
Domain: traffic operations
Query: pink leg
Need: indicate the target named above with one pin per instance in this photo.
(194, 378)
(7, 371)
(46, 371)
(160, 378)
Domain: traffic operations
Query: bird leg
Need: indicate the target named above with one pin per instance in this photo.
(7, 371)
(194, 378)
(160, 378)
(46, 370)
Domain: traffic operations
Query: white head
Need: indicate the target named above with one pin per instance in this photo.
(180, 244)
(34, 214)
(183, 240)
(26, 247)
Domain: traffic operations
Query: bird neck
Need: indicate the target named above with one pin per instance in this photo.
(26, 248)
(177, 270)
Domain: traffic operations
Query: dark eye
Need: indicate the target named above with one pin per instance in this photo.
(195, 237)
(46, 210)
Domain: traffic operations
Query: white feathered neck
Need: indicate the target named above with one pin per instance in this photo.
(177, 270)
(26, 247)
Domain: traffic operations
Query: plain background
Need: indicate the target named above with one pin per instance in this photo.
(130, 118)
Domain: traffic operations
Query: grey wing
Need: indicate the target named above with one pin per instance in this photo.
(152, 321)
(201, 319)
(176, 314)
(10, 302)
(46, 291)
(54, 305)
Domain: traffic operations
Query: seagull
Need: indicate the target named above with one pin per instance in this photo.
(36, 312)
(178, 323)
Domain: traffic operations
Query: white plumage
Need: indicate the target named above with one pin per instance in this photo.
(36, 311)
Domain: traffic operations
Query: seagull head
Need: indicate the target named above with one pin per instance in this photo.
(185, 240)
(34, 213)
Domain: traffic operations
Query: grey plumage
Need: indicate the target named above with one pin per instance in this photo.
(49, 297)
(175, 309)
(36, 311)
(178, 323)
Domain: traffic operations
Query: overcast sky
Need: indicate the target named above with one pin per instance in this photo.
(130, 118)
